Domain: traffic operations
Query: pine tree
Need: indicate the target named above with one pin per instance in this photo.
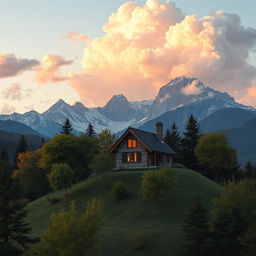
(196, 228)
(13, 230)
(67, 127)
(189, 142)
(172, 138)
(21, 148)
(248, 169)
(90, 131)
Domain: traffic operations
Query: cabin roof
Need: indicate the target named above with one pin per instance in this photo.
(149, 141)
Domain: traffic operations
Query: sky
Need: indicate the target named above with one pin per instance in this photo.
(88, 51)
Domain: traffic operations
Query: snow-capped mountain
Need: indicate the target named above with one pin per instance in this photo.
(179, 98)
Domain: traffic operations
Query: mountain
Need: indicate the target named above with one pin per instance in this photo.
(226, 118)
(175, 101)
(16, 127)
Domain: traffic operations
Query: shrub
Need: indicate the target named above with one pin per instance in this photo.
(138, 241)
(119, 190)
(53, 200)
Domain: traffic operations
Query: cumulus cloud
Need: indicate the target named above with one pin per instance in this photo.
(13, 92)
(10, 65)
(191, 89)
(49, 70)
(146, 46)
(7, 109)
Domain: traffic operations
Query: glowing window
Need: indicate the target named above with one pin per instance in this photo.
(131, 157)
(131, 143)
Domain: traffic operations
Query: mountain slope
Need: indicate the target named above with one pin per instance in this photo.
(162, 230)
(227, 118)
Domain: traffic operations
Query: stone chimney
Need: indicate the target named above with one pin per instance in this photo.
(159, 130)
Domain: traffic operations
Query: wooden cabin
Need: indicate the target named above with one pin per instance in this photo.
(140, 149)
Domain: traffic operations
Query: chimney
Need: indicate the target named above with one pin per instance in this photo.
(159, 130)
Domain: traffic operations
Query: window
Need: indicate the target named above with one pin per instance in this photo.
(131, 157)
(131, 143)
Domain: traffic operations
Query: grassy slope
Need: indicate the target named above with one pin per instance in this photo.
(162, 230)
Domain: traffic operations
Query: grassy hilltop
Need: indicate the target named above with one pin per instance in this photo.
(162, 230)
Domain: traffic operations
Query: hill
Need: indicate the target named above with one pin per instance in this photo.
(226, 118)
(163, 231)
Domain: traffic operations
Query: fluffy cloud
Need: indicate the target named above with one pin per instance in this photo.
(49, 70)
(145, 46)
(7, 109)
(10, 65)
(74, 36)
(13, 92)
(191, 89)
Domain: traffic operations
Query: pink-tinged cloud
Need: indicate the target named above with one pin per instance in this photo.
(49, 70)
(10, 65)
(146, 46)
(13, 92)
(7, 109)
(191, 89)
(74, 36)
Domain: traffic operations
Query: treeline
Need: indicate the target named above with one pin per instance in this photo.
(56, 165)
(210, 154)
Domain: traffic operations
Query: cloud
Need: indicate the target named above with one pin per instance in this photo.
(49, 70)
(146, 46)
(191, 89)
(76, 37)
(10, 65)
(13, 92)
(7, 109)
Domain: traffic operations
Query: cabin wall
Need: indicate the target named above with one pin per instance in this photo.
(132, 165)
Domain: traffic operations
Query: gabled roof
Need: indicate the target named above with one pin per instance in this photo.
(149, 140)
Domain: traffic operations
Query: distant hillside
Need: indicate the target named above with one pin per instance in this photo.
(9, 141)
(243, 139)
(226, 118)
(162, 230)
(17, 127)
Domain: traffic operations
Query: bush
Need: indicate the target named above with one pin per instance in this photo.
(102, 162)
(138, 241)
(119, 190)
(53, 200)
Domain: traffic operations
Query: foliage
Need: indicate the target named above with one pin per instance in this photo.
(67, 127)
(13, 229)
(90, 132)
(61, 177)
(76, 151)
(21, 148)
(32, 179)
(196, 231)
(249, 170)
(156, 184)
(172, 138)
(189, 141)
(53, 200)
(249, 241)
(105, 140)
(102, 162)
(70, 234)
(214, 152)
(119, 190)
(138, 241)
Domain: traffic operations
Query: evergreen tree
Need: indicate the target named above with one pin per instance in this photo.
(249, 170)
(21, 148)
(189, 141)
(67, 127)
(90, 131)
(196, 228)
(172, 138)
(13, 229)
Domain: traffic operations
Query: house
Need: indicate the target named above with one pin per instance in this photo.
(140, 149)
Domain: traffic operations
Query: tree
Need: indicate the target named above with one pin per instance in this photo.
(105, 140)
(21, 148)
(32, 179)
(67, 127)
(70, 234)
(102, 162)
(156, 184)
(214, 152)
(189, 142)
(13, 229)
(172, 138)
(249, 241)
(90, 131)
(196, 227)
(61, 177)
(76, 151)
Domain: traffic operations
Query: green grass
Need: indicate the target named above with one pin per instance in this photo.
(162, 229)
